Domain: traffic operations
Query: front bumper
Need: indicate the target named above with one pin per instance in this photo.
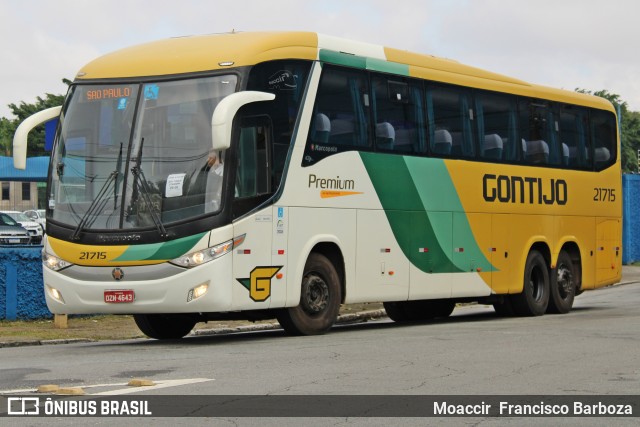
(159, 288)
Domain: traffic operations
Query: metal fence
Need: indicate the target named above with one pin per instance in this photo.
(631, 219)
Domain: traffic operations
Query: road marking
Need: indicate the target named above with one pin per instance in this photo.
(159, 385)
(127, 390)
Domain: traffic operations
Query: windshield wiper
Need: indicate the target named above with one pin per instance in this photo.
(141, 182)
(97, 205)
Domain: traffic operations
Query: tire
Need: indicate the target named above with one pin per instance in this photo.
(164, 326)
(563, 286)
(435, 309)
(320, 298)
(397, 311)
(534, 298)
(504, 308)
(411, 311)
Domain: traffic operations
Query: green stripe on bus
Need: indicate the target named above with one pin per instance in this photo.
(340, 58)
(374, 64)
(363, 63)
(419, 200)
(161, 251)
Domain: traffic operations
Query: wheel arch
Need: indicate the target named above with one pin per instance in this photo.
(328, 246)
(334, 254)
(537, 243)
(543, 248)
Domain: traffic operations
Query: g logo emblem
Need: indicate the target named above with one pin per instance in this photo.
(259, 284)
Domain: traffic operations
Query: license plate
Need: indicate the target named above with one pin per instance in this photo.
(14, 240)
(119, 296)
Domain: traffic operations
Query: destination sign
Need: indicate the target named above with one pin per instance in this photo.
(108, 93)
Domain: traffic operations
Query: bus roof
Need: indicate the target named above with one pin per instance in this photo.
(192, 54)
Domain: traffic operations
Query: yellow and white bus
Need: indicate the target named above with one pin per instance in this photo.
(261, 175)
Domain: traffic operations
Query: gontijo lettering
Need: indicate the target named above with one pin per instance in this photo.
(517, 189)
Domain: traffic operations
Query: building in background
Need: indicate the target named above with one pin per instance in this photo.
(21, 190)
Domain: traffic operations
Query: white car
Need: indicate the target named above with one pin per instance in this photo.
(37, 215)
(36, 231)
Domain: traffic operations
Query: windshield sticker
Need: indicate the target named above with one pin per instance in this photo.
(283, 80)
(174, 185)
(122, 103)
(151, 91)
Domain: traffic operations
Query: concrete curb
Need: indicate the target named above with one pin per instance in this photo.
(342, 319)
(4, 344)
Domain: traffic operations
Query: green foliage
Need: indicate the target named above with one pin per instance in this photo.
(6, 132)
(22, 111)
(35, 145)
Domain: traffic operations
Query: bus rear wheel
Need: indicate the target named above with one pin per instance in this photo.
(534, 298)
(320, 298)
(164, 326)
(503, 307)
(563, 286)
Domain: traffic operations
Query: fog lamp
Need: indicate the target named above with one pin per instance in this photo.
(197, 292)
(55, 294)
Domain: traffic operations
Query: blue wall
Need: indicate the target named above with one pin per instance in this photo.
(21, 288)
(631, 219)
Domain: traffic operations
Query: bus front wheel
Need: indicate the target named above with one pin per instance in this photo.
(320, 298)
(164, 326)
(534, 298)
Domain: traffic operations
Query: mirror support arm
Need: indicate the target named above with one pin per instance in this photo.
(222, 118)
(22, 132)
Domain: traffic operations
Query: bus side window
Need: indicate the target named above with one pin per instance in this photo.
(286, 79)
(603, 132)
(539, 129)
(449, 109)
(340, 115)
(496, 126)
(574, 136)
(253, 172)
(398, 114)
(252, 178)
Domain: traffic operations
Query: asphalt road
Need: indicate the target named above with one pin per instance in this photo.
(593, 350)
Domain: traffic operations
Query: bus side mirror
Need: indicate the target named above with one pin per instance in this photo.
(222, 118)
(20, 137)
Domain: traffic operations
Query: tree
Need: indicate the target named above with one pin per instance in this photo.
(629, 129)
(35, 144)
(5, 137)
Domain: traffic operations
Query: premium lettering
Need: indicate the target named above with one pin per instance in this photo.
(331, 183)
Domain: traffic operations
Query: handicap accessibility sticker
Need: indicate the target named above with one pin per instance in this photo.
(151, 91)
(122, 103)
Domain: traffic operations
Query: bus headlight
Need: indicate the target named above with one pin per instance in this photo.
(197, 258)
(53, 262)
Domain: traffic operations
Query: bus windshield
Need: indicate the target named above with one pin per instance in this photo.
(134, 156)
